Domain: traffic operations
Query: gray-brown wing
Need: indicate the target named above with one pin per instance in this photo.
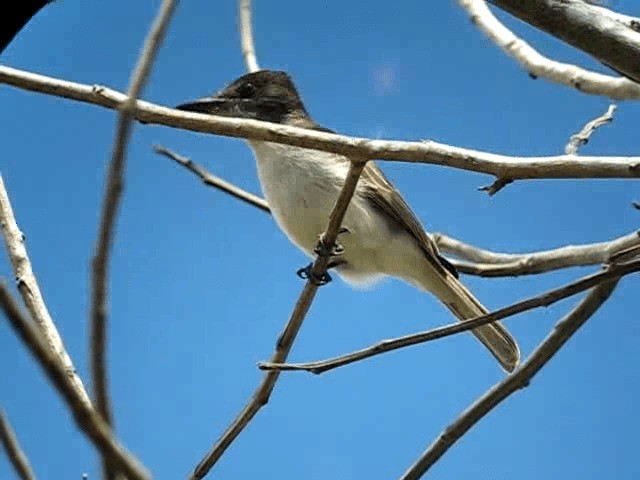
(383, 195)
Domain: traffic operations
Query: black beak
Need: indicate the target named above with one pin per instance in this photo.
(224, 107)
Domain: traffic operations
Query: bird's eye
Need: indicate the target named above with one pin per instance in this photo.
(247, 89)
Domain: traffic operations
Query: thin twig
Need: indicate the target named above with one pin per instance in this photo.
(16, 455)
(501, 166)
(30, 291)
(543, 300)
(520, 378)
(540, 66)
(87, 419)
(111, 203)
(583, 136)
(496, 186)
(288, 335)
(213, 181)
(484, 263)
(246, 36)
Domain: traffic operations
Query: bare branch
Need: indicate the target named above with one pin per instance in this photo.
(30, 291)
(87, 419)
(543, 300)
(15, 454)
(111, 203)
(500, 166)
(582, 137)
(485, 263)
(540, 66)
(213, 181)
(520, 378)
(608, 36)
(246, 36)
(288, 335)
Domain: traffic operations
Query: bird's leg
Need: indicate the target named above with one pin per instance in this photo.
(324, 250)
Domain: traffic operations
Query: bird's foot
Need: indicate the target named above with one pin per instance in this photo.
(324, 250)
(306, 273)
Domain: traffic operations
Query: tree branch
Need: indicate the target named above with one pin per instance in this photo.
(613, 272)
(15, 454)
(501, 166)
(520, 378)
(288, 335)
(30, 291)
(484, 263)
(540, 66)
(87, 419)
(583, 136)
(111, 203)
(610, 37)
(246, 36)
(213, 181)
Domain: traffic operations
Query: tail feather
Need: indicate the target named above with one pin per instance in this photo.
(465, 306)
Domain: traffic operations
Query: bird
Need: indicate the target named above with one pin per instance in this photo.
(381, 236)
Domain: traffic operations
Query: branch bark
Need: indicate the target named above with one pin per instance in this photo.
(246, 36)
(501, 166)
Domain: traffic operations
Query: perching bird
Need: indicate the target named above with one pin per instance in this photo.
(301, 185)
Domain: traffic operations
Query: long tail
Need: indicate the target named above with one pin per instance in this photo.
(465, 306)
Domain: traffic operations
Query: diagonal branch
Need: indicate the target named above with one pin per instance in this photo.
(520, 378)
(90, 422)
(288, 335)
(501, 166)
(15, 454)
(213, 181)
(111, 203)
(30, 291)
(613, 272)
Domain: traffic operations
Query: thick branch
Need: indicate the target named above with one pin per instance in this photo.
(30, 291)
(501, 166)
(111, 203)
(563, 331)
(15, 454)
(610, 37)
(288, 335)
(552, 296)
(91, 423)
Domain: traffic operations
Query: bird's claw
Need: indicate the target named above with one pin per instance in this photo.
(306, 273)
(324, 250)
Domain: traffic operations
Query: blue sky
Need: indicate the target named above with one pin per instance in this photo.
(202, 284)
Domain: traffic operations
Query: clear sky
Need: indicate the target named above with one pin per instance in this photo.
(202, 284)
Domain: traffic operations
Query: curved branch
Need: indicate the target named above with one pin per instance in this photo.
(501, 166)
(111, 203)
(608, 36)
(540, 66)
